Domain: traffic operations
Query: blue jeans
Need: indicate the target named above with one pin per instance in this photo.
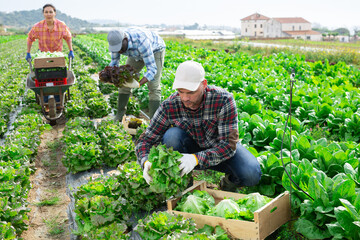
(243, 168)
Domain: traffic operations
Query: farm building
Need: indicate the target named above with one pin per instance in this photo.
(260, 26)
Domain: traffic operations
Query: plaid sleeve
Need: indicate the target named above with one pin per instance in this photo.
(228, 137)
(147, 54)
(66, 33)
(153, 134)
(32, 35)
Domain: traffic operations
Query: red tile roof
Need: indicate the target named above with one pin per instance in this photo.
(255, 16)
(291, 20)
(308, 32)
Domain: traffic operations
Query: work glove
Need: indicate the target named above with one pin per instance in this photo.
(133, 84)
(147, 177)
(71, 54)
(28, 57)
(188, 162)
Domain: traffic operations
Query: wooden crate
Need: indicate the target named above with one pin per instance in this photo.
(49, 62)
(266, 219)
(125, 121)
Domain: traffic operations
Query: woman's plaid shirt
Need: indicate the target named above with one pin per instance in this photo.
(51, 41)
(214, 126)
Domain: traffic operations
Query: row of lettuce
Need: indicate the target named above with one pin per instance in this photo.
(19, 142)
(320, 150)
(21, 124)
(11, 84)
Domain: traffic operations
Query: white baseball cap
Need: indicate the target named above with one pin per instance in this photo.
(189, 75)
(115, 39)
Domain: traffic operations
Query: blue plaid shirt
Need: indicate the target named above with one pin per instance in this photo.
(142, 44)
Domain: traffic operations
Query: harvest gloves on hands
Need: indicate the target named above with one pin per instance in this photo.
(28, 57)
(147, 177)
(71, 54)
(188, 162)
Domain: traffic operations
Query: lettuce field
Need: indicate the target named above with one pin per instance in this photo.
(305, 125)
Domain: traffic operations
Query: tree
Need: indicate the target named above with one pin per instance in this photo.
(192, 27)
(334, 34)
(342, 31)
(356, 31)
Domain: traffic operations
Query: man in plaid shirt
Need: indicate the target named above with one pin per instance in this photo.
(201, 122)
(143, 48)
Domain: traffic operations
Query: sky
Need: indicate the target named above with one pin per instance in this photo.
(326, 13)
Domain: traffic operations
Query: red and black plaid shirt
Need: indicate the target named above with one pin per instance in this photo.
(214, 126)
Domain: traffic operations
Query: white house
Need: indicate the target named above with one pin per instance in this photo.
(342, 38)
(294, 27)
(253, 25)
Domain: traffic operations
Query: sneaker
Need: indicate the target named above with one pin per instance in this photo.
(227, 185)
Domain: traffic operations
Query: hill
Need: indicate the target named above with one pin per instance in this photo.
(26, 19)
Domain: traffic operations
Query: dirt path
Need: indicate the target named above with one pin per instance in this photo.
(48, 218)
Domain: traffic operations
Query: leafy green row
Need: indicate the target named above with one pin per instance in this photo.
(111, 200)
(87, 146)
(86, 99)
(9, 38)
(19, 147)
(97, 49)
(16, 165)
(12, 74)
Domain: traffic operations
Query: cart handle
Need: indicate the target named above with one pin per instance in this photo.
(70, 60)
(31, 69)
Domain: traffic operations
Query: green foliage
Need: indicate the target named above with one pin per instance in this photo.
(252, 202)
(7, 231)
(99, 211)
(104, 186)
(117, 146)
(106, 88)
(113, 231)
(165, 171)
(160, 225)
(87, 147)
(224, 208)
(134, 188)
(198, 202)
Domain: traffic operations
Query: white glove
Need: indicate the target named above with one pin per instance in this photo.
(188, 162)
(147, 177)
(133, 84)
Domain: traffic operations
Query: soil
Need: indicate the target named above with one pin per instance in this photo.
(48, 183)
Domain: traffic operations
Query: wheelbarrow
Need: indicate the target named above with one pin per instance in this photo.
(52, 109)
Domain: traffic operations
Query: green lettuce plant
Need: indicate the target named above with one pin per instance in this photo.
(166, 172)
(160, 225)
